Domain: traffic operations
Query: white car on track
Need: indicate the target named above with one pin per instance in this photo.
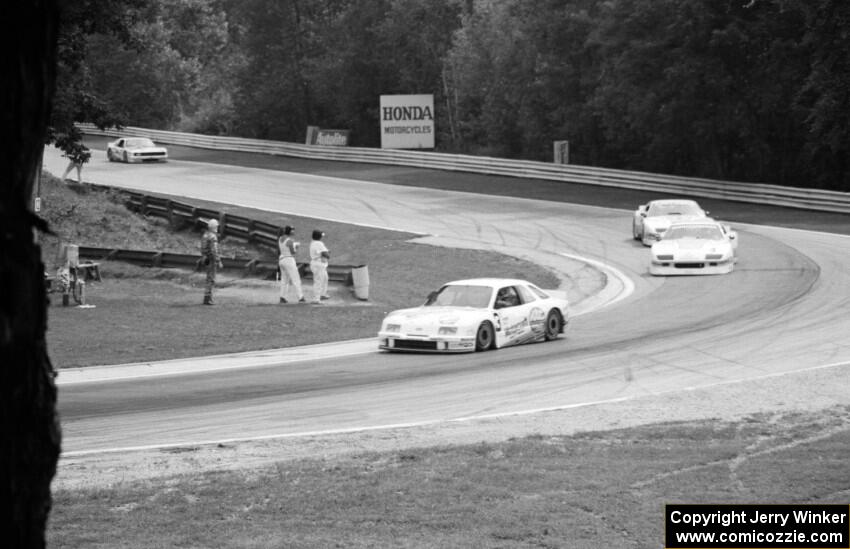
(695, 248)
(476, 315)
(135, 149)
(652, 219)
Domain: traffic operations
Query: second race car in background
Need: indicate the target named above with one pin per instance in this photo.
(477, 315)
(135, 149)
(652, 219)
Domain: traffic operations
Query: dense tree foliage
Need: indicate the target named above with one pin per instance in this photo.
(755, 90)
(78, 96)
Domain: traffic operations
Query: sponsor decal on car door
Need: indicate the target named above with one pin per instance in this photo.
(515, 326)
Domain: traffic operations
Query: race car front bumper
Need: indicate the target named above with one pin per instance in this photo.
(673, 268)
(398, 342)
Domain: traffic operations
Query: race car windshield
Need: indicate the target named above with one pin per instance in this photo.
(461, 296)
(678, 208)
(702, 232)
(138, 143)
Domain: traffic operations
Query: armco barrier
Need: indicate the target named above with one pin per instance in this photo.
(229, 225)
(252, 267)
(259, 232)
(761, 193)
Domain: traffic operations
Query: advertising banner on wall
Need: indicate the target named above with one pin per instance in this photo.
(319, 136)
(407, 121)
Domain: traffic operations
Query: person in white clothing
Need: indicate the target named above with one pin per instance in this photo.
(319, 256)
(289, 277)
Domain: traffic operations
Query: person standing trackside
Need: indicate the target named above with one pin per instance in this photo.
(319, 256)
(289, 277)
(77, 154)
(211, 257)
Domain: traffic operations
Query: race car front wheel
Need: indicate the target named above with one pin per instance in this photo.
(484, 337)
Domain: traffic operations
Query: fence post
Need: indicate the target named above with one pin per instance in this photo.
(360, 281)
(562, 152)
(222, 223)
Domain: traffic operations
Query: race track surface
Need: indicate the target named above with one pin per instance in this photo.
(783, 309)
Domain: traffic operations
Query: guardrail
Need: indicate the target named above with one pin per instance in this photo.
(178, 213)
(263, 269)
(250, 230)
(760, 193)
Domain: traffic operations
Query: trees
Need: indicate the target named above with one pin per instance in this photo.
(274, 99)
(77, 98)
(825, 93)
(327, 62)
(29, 431)
(170, 68)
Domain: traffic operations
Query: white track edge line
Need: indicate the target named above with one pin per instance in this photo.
(463, 419)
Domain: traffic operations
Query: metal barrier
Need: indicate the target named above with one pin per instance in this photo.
(259, 232)
(760, 193)
(250, 267)
(246, 229)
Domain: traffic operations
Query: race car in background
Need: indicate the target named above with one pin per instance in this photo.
(695, 248)
(135, 149)
(477, 315)
(652, 219)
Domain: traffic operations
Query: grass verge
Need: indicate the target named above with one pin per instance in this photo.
(604, 489)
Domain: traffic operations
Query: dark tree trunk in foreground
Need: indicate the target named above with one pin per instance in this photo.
(29, 429)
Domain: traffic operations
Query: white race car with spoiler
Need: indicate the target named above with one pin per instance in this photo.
(652, 219)
(135, 149)
(477, 315)
(695, 248)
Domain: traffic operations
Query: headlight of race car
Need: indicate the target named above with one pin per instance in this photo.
(710, 257)
(447, 330)
(664, 257)
(392, 327)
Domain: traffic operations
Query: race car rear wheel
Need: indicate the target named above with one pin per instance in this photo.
(553, 325)
(484, 338)
(635, 234)
(109, 155)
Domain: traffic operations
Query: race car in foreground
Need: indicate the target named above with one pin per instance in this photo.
(477, 315)
(135, 149)
(695, 248)
(652, 219)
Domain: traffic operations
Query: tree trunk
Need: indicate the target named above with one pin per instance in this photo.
(29, 429)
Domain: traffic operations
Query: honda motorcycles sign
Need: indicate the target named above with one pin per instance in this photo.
(407, 121)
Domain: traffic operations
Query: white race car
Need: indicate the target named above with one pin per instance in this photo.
(653, 218)
(135, 149)
(695, 248)
(476, 315)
